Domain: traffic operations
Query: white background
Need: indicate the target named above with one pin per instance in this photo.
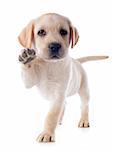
(22, 111)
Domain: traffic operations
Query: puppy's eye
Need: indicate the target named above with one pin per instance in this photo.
(63, 32)
(41, 32)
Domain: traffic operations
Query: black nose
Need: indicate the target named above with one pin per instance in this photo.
(54, 47)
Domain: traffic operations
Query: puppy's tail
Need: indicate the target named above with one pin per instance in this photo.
(91, 58)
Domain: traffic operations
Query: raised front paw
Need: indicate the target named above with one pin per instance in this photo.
(45, 137)
(27, 56)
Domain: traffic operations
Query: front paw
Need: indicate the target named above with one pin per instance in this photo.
(83, 123)
(27, 56)
(46, 137)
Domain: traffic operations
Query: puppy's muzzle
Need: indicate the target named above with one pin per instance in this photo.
(54, 49)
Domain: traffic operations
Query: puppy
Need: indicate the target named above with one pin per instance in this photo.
(47, 65)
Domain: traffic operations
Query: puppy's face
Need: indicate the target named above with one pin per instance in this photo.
(51, 35)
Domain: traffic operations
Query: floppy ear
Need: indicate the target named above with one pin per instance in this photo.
(73, 36)
(27, 35)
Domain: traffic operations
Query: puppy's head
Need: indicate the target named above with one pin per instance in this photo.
(51, 35)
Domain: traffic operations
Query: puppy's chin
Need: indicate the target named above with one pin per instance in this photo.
(54, 59)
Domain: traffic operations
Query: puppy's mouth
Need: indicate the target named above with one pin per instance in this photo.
(55, 57)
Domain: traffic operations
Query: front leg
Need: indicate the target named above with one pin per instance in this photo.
(29, 61)
(51, 122)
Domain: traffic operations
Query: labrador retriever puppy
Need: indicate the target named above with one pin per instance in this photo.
(46, 64)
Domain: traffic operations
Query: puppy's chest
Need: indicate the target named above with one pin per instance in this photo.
(54, 79)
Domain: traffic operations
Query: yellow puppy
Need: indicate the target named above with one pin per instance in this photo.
(47, 65)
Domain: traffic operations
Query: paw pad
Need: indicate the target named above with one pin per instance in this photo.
(27, 56)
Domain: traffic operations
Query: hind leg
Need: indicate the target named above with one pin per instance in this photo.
(84, 95)
(61, 115)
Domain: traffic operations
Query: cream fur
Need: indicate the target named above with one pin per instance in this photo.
(55, 79)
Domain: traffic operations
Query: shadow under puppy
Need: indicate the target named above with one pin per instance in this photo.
(47, 65)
